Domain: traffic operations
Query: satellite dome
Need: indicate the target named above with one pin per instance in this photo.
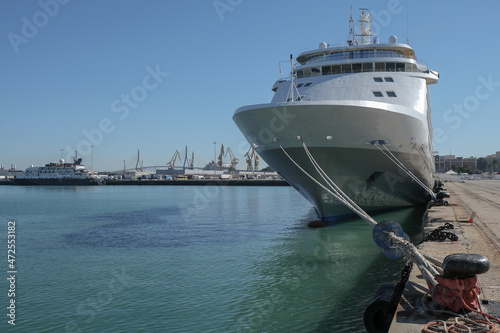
(323, 45)
(393, 39)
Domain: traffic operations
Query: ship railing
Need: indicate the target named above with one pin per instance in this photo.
(421, 67)
(357, 54)
(381, 67)
(423, 63)
(367, 60)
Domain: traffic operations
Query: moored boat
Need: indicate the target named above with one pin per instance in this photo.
(346, 109)
(61, 173)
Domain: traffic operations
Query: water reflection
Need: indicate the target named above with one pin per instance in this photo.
(321, 280)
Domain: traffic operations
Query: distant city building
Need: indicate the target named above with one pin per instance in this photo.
(492, 157)
(447, 162)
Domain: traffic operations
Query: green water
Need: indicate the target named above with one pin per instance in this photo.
(187, 259)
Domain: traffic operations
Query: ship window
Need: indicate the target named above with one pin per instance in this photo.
(326, 70)
(367, 67)
(378, 79)
(300, 74)
(369, 53)
(377, 94)
(300, 85)
(315, 71)
(346, 68)
(380, 67)
(359, 54)
(356, 68)
(390, 66)
(400, 67)
(388, 79)
(391, 93)
(299, 98)
(307, 84)
(389, 53)
(336, 69)
(307, 72)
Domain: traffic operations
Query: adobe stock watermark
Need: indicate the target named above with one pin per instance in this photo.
(223, 6)
(289, 281)
(201, 200)
(89, 309)
(121, 107)
(382, 18)
(280, 120)
(470, 104)
(31, 26)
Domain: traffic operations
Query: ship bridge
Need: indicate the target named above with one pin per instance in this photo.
(362, 52)
(391, 57)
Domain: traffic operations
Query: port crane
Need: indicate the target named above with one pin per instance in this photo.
(223, 154)
(252, 160)
(191, 161)
(233, 159)
(171, 164)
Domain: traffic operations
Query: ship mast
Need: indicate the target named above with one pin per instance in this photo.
(365, 29)
(291, 96)
(293, 76)
(351, 29)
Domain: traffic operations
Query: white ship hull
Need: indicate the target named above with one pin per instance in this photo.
(338, 101)
(339, 135)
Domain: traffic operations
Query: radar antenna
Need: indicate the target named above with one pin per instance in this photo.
(76, 159)
(407, 34)
(365, 30)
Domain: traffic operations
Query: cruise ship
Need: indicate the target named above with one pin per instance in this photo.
(359, 114)
(61, 173)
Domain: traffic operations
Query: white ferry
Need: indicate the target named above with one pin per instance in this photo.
(61, 173)
(350, 107)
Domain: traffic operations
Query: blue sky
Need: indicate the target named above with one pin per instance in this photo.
(161, 75)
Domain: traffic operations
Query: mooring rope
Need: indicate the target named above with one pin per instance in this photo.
(418, 151)
(412, 253)
(334, 190)
(471, 323)
(401, 165)
(408, 249)
(329, 181)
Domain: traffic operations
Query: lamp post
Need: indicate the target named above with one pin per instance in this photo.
(92, 159)
(215, 157)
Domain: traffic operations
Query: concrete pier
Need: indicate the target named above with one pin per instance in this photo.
(482, 236)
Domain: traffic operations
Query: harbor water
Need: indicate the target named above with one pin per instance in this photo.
(187, 259)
